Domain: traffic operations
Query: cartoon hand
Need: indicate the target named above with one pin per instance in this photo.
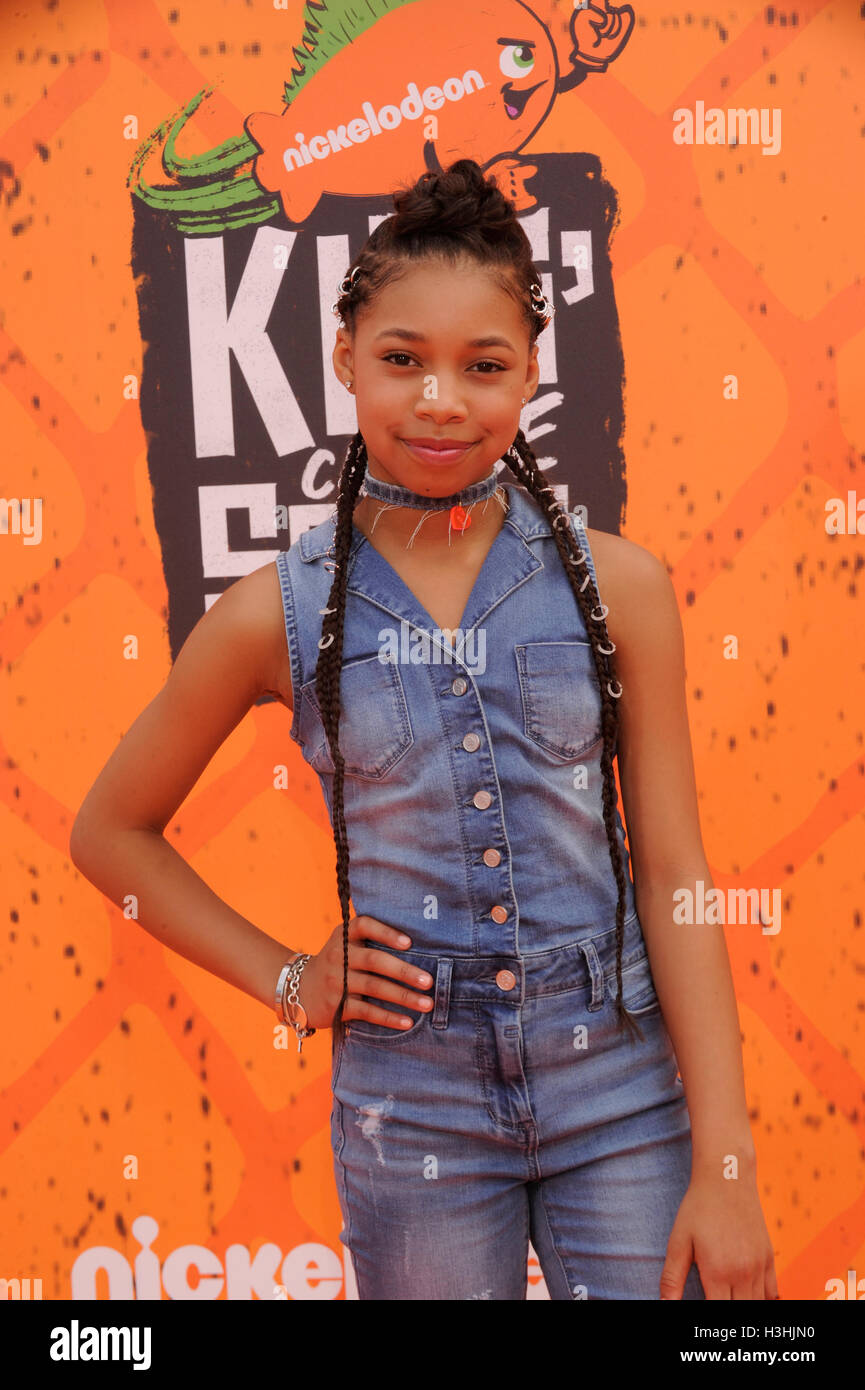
(512, 174)
(600, 33)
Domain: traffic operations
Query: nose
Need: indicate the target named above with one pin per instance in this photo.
(442, 396)
(442, 399)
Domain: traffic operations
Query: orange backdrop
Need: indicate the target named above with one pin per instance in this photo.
(119, 1057)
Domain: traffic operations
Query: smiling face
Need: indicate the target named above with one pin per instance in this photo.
(425, 370)
(525, 71)
(519, 74)
(513, 52)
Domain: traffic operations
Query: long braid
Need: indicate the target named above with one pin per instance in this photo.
(523, 464)
(328, 672)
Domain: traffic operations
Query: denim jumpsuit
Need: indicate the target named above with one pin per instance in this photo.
(516, 1109)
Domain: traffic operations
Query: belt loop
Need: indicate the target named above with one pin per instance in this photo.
(595, 971)
(443, 992)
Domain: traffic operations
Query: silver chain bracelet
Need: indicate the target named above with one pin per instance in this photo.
(287, 994)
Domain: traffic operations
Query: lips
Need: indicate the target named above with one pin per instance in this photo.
(437, 450)
(439, 443)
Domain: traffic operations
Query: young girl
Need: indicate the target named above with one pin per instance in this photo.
(507, 1026)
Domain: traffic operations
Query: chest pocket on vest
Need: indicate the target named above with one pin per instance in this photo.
(374, 728)
(560, 697)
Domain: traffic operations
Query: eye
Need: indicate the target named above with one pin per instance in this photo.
(487, 362)
(516, 60)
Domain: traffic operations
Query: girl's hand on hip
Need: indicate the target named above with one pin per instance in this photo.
(720, 1227)
(370, 971)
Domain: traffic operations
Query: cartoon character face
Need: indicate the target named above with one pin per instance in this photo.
(511, 49)
(524, 75)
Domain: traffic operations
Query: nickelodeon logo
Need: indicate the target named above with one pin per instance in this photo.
(309, 1271)
(388, 117)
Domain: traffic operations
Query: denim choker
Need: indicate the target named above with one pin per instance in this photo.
(403, 497)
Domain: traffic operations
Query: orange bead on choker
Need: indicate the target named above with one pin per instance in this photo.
(404, 497)
(459, 504)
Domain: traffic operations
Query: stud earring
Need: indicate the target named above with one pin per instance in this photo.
(347, 385)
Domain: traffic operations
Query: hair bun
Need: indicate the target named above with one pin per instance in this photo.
(451, 200)
(445, 215)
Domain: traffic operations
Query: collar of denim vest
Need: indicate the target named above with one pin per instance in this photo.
(523, 515)
(509, 563)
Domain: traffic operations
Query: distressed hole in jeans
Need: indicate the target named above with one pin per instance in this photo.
(370, 1120)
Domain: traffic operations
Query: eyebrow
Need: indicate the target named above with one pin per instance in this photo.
(408, 336)
(523, 43)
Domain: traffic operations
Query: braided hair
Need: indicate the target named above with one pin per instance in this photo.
(451, 215)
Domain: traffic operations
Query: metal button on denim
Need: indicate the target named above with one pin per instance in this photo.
(492, 857)
(506, 979)
(482, 800)
(460, 685)
(499, 913)
(471, 742)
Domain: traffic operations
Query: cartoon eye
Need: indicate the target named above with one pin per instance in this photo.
(517, 60)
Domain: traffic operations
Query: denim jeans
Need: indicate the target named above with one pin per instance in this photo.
(514, 1114)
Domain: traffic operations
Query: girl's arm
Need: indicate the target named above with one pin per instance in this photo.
(690, 964)
(720, 1224)
(232, 656)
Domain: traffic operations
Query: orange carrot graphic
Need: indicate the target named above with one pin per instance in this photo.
(381, 91)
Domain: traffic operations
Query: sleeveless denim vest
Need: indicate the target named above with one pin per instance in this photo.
(473, 788)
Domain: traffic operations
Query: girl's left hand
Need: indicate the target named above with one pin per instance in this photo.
(720, 1227)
